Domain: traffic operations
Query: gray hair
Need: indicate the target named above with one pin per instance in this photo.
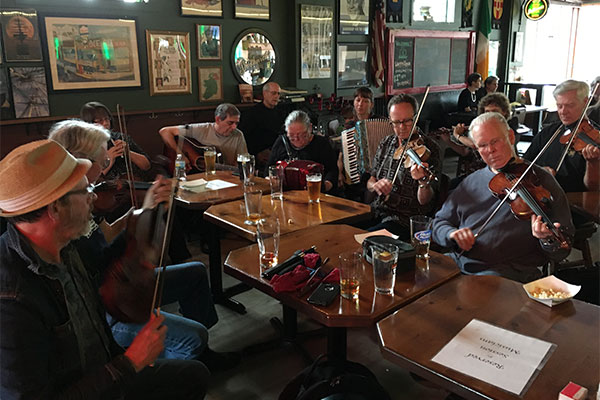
(486, 117)
(226, 110)
(298, 116)
(582, 89)
(80, 138)
(269, 86)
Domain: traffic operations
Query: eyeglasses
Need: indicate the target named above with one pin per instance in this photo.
(406, 122)
(103, 164)
(88, 190)
(300, 136)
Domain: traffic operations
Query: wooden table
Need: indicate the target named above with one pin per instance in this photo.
(294, 213)
(587, 203)
(331, 240)
(412, 336)
(203, 200)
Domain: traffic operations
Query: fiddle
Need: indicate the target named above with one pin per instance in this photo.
(528, 197)
(114, 195)
(586, 134)
(417, 152)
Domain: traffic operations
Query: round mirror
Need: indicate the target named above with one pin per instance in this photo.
(253, 57)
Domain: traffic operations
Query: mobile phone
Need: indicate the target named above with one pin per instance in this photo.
(324, 294)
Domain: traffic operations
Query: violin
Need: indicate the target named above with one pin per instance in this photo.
(586, 134)
(114, 195)
(528, 198)
(417, 152)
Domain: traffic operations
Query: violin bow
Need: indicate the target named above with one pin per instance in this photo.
(160, 281)
(587, 106)
(414, 127)
(126, 154)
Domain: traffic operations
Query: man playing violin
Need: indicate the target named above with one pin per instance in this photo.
(507, 246)
(413, 190)
(222, 133)
(580, 171)
(54, 338)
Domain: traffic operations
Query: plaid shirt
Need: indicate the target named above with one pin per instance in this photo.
(402, 202)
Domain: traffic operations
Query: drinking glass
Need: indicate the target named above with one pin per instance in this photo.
(276, 181)
(313, 185)
(248, 169)
(267, 237)
(350, 273)
(420, 234)
(253, 201)
(385, 259)
(210, 159)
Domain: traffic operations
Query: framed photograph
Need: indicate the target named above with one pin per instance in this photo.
(21, 35)
(316, 37)
(253, 9)
(5, 99)
(352, 65)
(169, 68)
(30, 93)
(92, 53)
(210, 82)
(354, 17)
(202, 8)
(208, 38)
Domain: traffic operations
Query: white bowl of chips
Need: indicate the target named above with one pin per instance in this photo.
(551, 290)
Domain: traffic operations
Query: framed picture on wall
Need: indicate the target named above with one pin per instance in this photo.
(352, 65)
(5, 99)
(354, 17)
(21, 35)
(169, 68)
(253, 9)
(30, 93)
(202, 8)
(208, 38)
(210, 82)
(92, 53)
(316, 35)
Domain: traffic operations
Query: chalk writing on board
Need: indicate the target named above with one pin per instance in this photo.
(403, 63)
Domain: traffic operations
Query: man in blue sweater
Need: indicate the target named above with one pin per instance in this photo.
(507, 246)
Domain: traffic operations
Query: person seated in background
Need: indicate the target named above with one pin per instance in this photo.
(262, 124)
(508, 247)
(580, 171)
(222, 133)
(185, 283)
(300, 143)
(412, 193)
(490, 85)
(54, 339)
(467, 99)
(97, 113)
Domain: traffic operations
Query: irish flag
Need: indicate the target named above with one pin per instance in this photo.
(484, 25)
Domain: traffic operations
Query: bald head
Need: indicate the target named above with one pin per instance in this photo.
(271, 94)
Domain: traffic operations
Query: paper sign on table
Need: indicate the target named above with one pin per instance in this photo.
(494, 355)
(360, 237)
(219, 184)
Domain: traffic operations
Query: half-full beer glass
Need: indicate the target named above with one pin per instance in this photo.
(420, 234)
(210, 160)
(253, 201)
(313, 186)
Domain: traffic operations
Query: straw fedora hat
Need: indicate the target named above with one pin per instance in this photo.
(36, 174)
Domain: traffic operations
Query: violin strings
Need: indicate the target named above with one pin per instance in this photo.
(126, 155)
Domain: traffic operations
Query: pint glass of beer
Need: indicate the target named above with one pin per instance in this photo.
(210, 160)
(253, 202)
(420, 234)
(313, 185)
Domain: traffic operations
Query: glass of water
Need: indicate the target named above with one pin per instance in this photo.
(385, 259)
(248, 169)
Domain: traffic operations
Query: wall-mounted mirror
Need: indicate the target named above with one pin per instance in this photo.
(253, 57)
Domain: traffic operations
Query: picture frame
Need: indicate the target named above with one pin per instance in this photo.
(21, 35)
(210, 8)
(354, 17)
(30, 92)
(253, 9)
(208, 38)
(352, 65)
(316, 38)
(92, 53)
(6, 111)
(210, 83)
(169, 70)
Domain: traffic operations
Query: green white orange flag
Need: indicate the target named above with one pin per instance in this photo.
(482, 53)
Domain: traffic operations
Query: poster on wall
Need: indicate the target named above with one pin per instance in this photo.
(202, 8)
(169, 62)
(21, 35)
(92, 53)
(354, 17)
(252, 9)
(30, 93)
(316, 37)
(210, 82)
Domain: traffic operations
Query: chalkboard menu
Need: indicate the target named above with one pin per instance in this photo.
(441, 59)
(403, 63)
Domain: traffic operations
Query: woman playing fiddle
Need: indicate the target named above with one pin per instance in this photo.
(508, 246)
(97, 113)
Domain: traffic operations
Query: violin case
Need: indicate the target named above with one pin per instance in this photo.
(406, 252)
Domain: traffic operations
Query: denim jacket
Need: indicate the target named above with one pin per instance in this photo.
(40, 357)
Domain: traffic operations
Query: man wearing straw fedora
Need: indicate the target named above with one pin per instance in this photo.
(54, 339)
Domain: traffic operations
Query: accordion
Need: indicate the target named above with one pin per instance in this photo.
(295, 172)
(359, 145)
